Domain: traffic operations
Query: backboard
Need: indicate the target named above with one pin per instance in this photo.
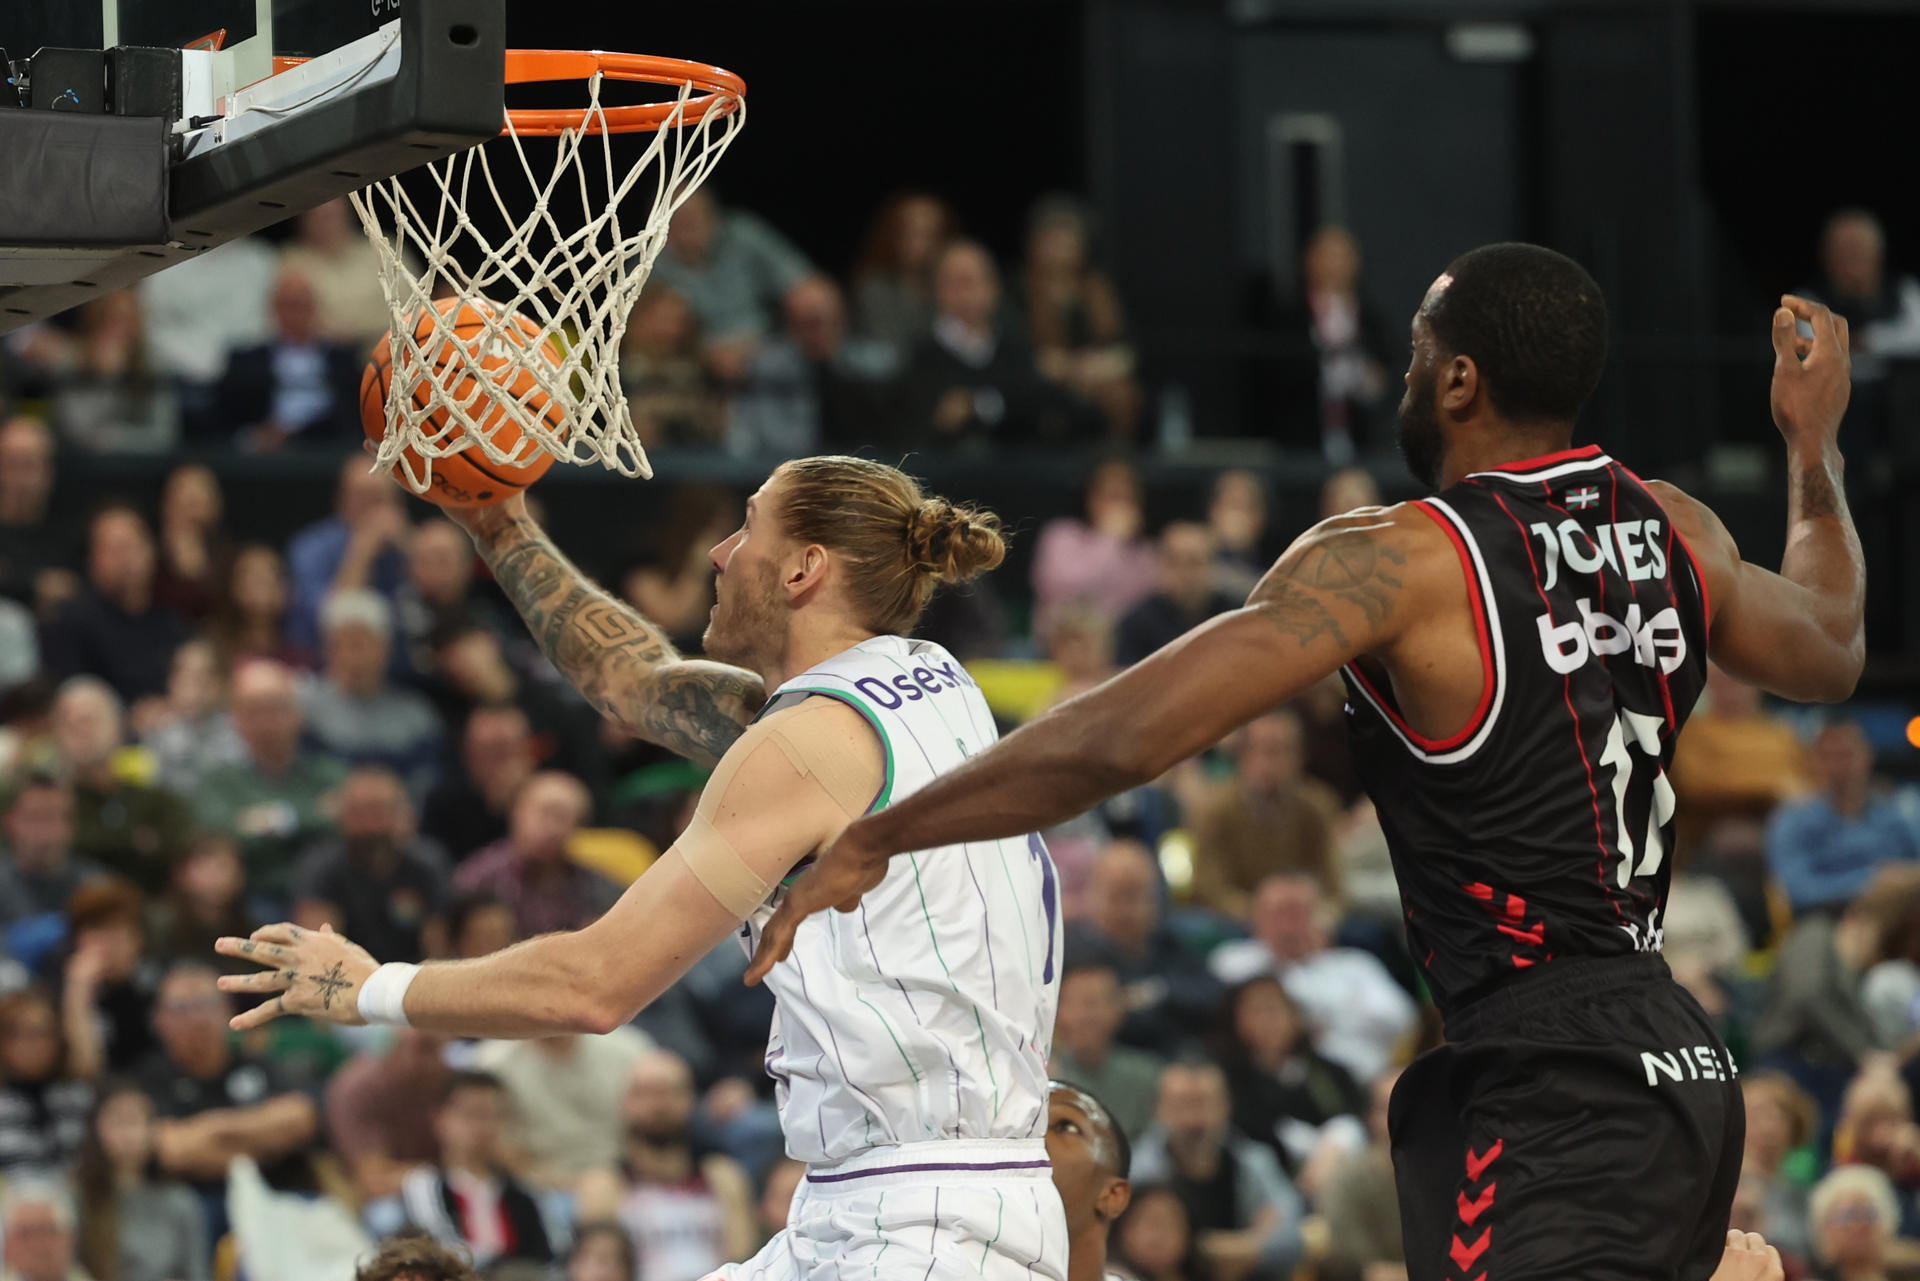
(97, 191)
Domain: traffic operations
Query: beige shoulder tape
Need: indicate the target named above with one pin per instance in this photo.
(718, 866)
(808, 737)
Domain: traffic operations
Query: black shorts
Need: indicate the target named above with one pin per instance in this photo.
(1582, 1122)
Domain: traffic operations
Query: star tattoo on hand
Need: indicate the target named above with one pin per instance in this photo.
(330, 984)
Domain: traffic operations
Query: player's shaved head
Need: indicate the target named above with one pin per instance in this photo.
(1091, 1157)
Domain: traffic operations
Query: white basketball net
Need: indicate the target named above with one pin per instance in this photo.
(578, 285)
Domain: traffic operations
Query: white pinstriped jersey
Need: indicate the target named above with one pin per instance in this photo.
(928, 1013)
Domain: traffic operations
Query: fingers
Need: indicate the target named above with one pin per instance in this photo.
(1785, 334)
(264, 981)
(253, 950)
(259, 1016)
(1820, 318)
(1845, 334)
(776, 940)
(283, 932)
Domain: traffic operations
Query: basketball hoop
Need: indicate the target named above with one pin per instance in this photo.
(576, 285)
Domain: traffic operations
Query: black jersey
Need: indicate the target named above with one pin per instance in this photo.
(1539, 831)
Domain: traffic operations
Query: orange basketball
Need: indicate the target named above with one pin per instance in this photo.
(468, 478)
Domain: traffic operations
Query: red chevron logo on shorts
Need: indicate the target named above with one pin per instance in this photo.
(1465, 1256)
(1477, 1165)
(1472, 1210)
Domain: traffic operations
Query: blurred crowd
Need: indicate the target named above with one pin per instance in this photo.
(201, 732)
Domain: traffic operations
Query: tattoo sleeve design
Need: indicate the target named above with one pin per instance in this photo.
(1351, 567)
(620, 662)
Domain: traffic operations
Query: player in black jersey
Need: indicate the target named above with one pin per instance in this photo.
(1521, 651)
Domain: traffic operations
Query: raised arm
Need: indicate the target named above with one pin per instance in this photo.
(619, 661)
(1798, 633)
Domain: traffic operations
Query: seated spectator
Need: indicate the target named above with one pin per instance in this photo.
(113, 628)
(1269, 817)
(1169, 996)
(1186, 597)
(671, 397)
(36, 1233)
(602, 1251)
(193, 552)
(465, 1197)
(298, 388)
(363, 544)
(564, 1089)
(329, 251)
(106, 397)
(812, 385)
(1243, 1213)
(1286, 1094)
(134, 1224)
(40, 870)
(47, 1069)
(1237, 519)
(206, 901)
(41, 547)
(1098, 561)
(193, 733)
(688, 1211)
(1705, 944)
(1357, 1015)
(1346, 490)
(1360, 1206)
(1734, 761)
(1086, 1054)
(1073, 312)
(353, 712)
(732, 268)
(1080, 644)
(893, 281)
(439, 595)
(1781, 1119)
(1813, 1023)
(416, 1257)
(1855, 1215)
(1336, 374)
(380, 1108)
(1882, 313)
(1875, 1127)
(480, 925)
(529, 869)
(105, 976)
(250, 619)
(128, 827)
(218, 1102)
(1153, 1239)
(197, 315)
(376, 882)
(1823, 850)
(468, 808)
(473, 673)
(272, 803)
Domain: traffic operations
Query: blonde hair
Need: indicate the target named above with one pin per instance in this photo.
(896, 542)
(1849, 1181)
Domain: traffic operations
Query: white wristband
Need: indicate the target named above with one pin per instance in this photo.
(383, 997)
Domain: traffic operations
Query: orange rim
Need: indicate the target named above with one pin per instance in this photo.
(717, 92)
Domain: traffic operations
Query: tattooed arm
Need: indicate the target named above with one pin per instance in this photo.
(620, 662)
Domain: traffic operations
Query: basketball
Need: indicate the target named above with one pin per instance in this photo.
(468, 478)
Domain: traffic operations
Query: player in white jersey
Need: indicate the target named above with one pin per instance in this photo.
(910, 1039)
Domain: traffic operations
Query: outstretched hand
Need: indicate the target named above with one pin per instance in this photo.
(839, 878)
(315, 972)
(1812, 376)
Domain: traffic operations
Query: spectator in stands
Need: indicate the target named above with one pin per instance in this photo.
(1855, 1214)
(129, 827)
(565, 1089)
(40, 548)
(1357, 1015)
(353, 712)
(1823, 850)
(529, 869)
(329, 251)
(251, 618)
(1086, 1052)
(893, 281)
(363, 544)
(1875, 1127)
(1359, 1204)
(671, 397)
(1269, 817)
(193, 552)
(1883, 315)
(1080, 644)
(106, 979)
(687, 1211)
(41, 870)
(468, 809)
(672, 583)
(480, 925)
(36, 1233)
(1285, 1094)
(414, 1257)
(1337, 377)
(1237, 519)
(602, 1251)
(376, 881)
(114, 629)
(1348, 489)
(438, 594)
(1244, 1215)
(206, 901)
(466, 1197)
(272, 803)
(1186, 598)
(1734, 761)
(733, 269)
(298, 388)
(47, 1069)
(1705, 943)
(380, 1110)
(192, 734)
(106, 398)
(218, 1101)
(1074, 314)
(812, 385)
(1153, 1238)
(1169, 995)
(199, 311)
(1781, 1119)
(134, 1225)
(1099, 559)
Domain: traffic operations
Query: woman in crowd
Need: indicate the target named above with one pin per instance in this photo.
(193, 551)
(1285, 1094)
(1780, 1121)
(134, 1225)
(602, 1251)
(893, 281)
(1153, 1239)
(1854, 1216)
(1073, 314)
(1101, 559)
(44, 1101)
(250, 620)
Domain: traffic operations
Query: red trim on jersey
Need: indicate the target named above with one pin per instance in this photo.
(1547, 460)
(1480, 633)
